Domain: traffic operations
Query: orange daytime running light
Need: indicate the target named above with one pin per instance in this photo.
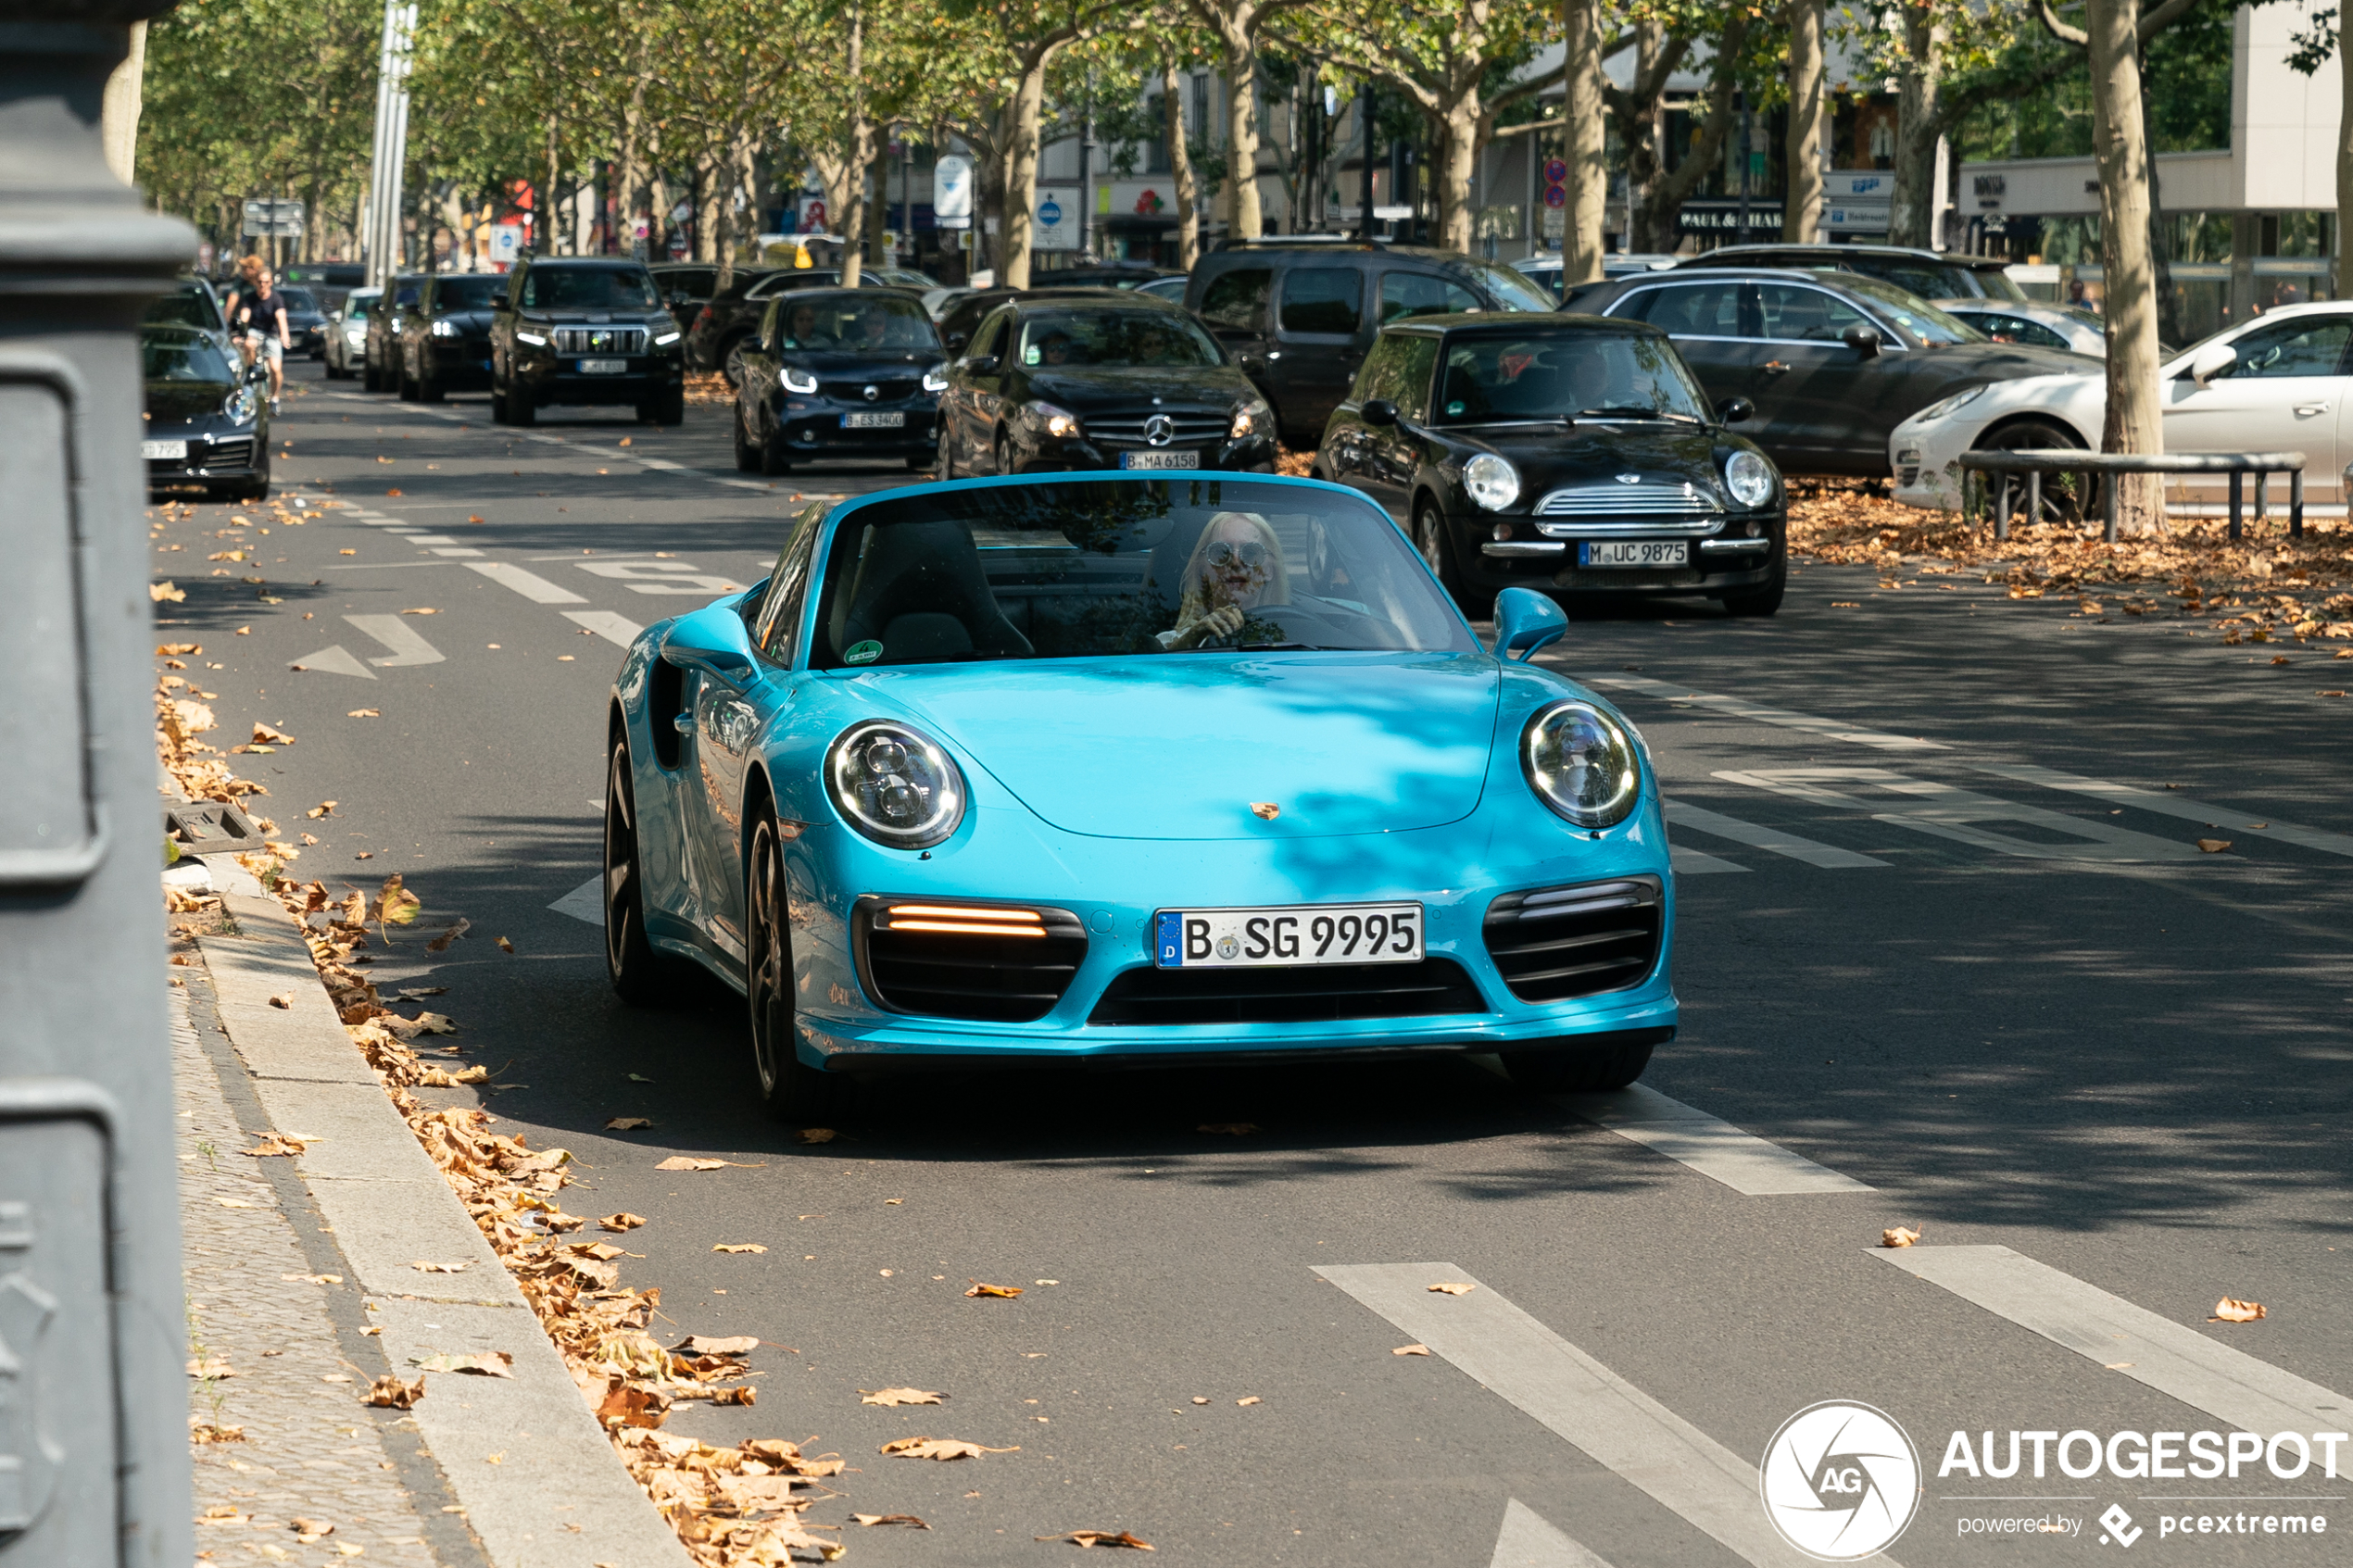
(956, 912)
(967, 930)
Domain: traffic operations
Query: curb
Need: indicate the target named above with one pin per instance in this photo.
(538, 1479)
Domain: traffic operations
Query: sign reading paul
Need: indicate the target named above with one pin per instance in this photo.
(1840, 1481)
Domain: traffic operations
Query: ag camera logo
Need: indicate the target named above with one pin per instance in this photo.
(1840, 1481)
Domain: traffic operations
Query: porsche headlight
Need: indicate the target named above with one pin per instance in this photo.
(893, 783)
(1058, 422)
(1945, 405)
(1491, 480)
(936, 378)
(800, 381)
(1583, 763)
(1749, 477)
(1251, 418)
(241, 405)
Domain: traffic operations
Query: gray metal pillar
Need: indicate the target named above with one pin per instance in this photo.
(381, 245)
(94, 1390)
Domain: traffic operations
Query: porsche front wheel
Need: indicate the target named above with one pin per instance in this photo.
(642, 976)
(792, 1091)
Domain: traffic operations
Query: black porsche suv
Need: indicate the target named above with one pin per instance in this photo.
(589, 330)
(1563, 453)
(444, 337)
(1091, 379)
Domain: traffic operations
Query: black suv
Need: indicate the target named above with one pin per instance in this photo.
(1932, 274)
(1832, 362)
(381, 358)
(444, 337)
(585, 330)
(687, 286)
(1299, 318)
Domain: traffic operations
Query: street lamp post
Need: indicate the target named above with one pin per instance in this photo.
(381, 245)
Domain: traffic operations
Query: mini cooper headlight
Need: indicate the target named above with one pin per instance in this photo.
(1250, 418)
(1945, 405)
(800, 381)
(1583, 763)
(1491, 480)
(936, 378)
(1749, 477)
(893, 783)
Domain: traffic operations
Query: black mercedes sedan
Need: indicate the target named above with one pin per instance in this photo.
(444, 337)
(838, 373)
(208, 418)
(585, 330)
(1087, 378)
(1562, 453)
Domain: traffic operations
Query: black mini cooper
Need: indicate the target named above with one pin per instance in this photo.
(834, 373)
(1565, 452)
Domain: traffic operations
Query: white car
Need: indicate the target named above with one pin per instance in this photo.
(2030, 321)
(2281, 382)
(346, 351)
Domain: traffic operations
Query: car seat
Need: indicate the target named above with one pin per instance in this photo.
(923, 598)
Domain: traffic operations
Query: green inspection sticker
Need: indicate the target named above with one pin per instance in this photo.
(862, 653)
(1453, 409)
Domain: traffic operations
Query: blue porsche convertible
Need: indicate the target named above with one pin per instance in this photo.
(1118, 767)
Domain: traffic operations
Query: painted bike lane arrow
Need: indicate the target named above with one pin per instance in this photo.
(395, 634)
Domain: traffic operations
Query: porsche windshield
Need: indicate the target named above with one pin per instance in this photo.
(1150, 567)
(1557, 375)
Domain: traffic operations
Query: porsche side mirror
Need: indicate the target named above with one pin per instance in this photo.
(980, 365)
(2212, 361)
(1735, 410)
(1379, 411)
(712, 640)
(1525, 621)
(1863, 340)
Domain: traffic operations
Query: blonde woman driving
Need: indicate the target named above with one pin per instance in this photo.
(1237, 565)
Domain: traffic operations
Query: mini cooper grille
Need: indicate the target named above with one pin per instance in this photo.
(1628, 509)
(601, 340)
(1183, 429)
(1315, 994)
(1564, 942)
(855, 391)
(994, 963)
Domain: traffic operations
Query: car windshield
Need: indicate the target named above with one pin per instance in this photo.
(587, 288)
(1563, 375)
(298, 299)
(1997, 283)
(849, 323)
(473, 293)
(1917, 320)
(360, 305)
(1511, 290)
(189, 306)
(1137, 338)
(2083, 318)
(1089, 569)
(181, 356)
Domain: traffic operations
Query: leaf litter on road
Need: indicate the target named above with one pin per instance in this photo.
(489, 1363)
(1102, 1538)
(1898, 1236)
(1005, 1291)
(900, 1397)
(1452, 1287)
(2230, 1310)
(939, 1449)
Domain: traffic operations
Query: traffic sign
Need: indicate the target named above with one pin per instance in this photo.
(506, 242)
(272, 220)
(1555, 196)
(951, 192)
(1556, 171)
(1049, 212)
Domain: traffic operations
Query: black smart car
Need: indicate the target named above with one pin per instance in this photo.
(732, 318)
(208, 418)
(1832, 362)
(585, 330)
(1560, 453)
(1087, 378)
(838, 373)
(444, 337)
(379, 361)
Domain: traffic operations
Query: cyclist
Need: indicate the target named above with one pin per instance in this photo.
(258, 318)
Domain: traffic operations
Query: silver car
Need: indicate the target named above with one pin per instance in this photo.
(346, 352)
(2032, 321)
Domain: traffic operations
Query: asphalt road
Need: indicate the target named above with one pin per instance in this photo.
(1909, 995)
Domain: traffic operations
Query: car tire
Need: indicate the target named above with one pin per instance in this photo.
(641, 976)
(918, 464)
(407, 388)
(521, 410)
(369, 379)
(791, 1090)
(1758, 602)
(943, 464)
(747, 455)
(430, 390)
(1004, 454)
(498, 403)
(1576, 1072)
(775, 459)
(1435, 543)
(731, 360)
(2032, 434)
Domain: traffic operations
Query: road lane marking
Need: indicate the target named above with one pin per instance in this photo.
(1833, 728)
(455, 551)
(1590, 1407)
(611, 627)
(2172, 1358)
(662, 577)
(1948, 812)
(2172, 805)
(1692, 863)
(398, 635)
(530, 584)
(1827, 855)
(1530, 1540)
(1715, 1148)
(585, 902)
(337, 661)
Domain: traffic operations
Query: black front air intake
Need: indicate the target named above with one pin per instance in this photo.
(1562, 942)
(1311, 994)
(988, 962)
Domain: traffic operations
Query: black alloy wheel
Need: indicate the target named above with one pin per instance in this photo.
(944, 465)
(1436, 543)
(1746, 602)
(1576, 1072)
(776, 458)
(641, 976)
(2067, 497)
(731, 362)
(1004, 453)
(747, 455)
(789, 1090)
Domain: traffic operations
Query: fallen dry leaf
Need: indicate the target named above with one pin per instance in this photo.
(1102, 1538)
(2230, 1309)
(419, 993)
(315, 1279)
(277, 1143)
(623, 1222)
(174, 650)
(365, 713)
(420, 610)
(441, 942)
(390, 1392)
(423, 1266)
(1252, 1400)
(1900, 1237)
(472, 518)
(818, 1135)
(211, 1367)
(489, 1363)
(1265, 810)
(738, 1247)
(1232, 1129)
(283, 1001)
(166, 593)
(503, 945)
(900, 1397)
(1452, 1287)
(2214, 845)
(1410, 1350)
(324, 807)
(442, 1078)
(1007, 1291)
(685, 1162)
(939, 1447)
(206, 1431)
(310, 1529)
(264, 735)
(627, 1123)
(727, 1345)
(907, 1519)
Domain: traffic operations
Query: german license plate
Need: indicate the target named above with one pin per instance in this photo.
(1160, 459)
(1634, 552)
(1286, 937)
(163, 451)
(604, 367)
(873, 421)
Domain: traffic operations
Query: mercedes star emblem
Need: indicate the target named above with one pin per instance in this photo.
(1630, 479)
(873, 392)
(1160, 430)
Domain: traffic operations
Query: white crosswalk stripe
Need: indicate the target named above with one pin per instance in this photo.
(1530, 1540)
(1683, 814)
(1692, 863)
(2170, 803)
(530, 584)
(1931, 806)
(1717, 1149)
(611, 627)
(1740, 708)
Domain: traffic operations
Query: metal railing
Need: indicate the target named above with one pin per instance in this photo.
(2036, 462)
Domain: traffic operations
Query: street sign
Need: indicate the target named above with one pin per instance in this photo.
(1393, 214)
(506, 242)
(1555, 196)
(272, 220)
(951, 192)
(1049, 231)
(1049, 212)
(812, 214)
(1556, 171)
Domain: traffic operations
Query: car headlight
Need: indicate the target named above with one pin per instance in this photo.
(1583, 763)
(666, 339)
(357, 332)
(1060, 422)
(894, 785)
(241, 405)
(445, 328)
(800, 381)
(1749, 477)
(936, 378)
(1491, 480)
(1945, 405)
(1250, 418)
(535, 339)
